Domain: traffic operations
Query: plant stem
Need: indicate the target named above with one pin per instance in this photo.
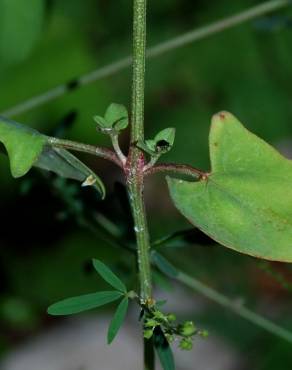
(176, 42)
(135, 165)
(116, 146)
(101, 152)
(238, 309)
(180, 169)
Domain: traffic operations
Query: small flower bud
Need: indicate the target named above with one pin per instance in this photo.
(187, 329)
(186, 344)
(169, 337)
(148, 333)
(171, 317)
(203, 333)
(150, 323)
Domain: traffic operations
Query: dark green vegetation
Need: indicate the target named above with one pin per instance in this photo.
(245, 70)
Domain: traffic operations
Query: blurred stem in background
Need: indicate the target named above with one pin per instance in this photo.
(187, 38)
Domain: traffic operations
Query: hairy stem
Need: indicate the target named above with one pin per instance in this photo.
(101, 152)
(116, 146)
(180, 169)
(135, 164)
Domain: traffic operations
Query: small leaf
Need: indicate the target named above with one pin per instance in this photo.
(151, 145)
(164, 140)
(147, 146)
(164, 265)
(245, 203)
(117, 116)
(82, 303)
(168, 135)
(24, 145)
(117, 320)
(109, 276)
(162, 143)
(102, 123)
(163, 350)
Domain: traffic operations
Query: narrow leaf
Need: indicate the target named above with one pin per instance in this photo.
(117, 320)
(245, 203)
(82, 303)
(65, 164)
(163, 264)
(109, 276)
(163, 350)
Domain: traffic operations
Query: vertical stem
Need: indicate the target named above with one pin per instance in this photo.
(139, 46)
(135, 164)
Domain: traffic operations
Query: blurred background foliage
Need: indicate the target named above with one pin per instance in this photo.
(45, 248)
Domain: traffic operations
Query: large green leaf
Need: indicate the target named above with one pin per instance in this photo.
(246, 201)
(20, 27)
(117, 320)
(82, 303)
(27, 147)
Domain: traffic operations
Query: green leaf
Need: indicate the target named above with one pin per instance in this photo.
(102, 123)
(151, 146)
(117, 320)
(168, 135)
(164, 265)
(163, 350)
(21, 25)
(82, 303)
(148, 146)
(246, 201)
(162, 143)
(117, 116)
(65, 164)
(109, 276)
(26, 147)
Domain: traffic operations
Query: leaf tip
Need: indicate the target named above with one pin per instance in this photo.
(222, 116)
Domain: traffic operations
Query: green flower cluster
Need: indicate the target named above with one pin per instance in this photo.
(184, 332)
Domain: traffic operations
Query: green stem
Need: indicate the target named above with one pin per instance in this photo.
(135, 164)
(179, 169)
(101, 152)
(238, 309)
(185, 39)
(116, 146)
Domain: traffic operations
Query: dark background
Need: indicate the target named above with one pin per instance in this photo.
(44, 252)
